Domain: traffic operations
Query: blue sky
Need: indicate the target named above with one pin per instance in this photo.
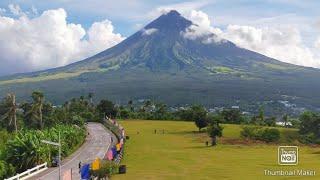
(287, 30)
(125, 15)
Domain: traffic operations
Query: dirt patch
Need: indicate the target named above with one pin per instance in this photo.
(233, 141)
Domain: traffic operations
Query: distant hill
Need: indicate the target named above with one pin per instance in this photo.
(159, 63)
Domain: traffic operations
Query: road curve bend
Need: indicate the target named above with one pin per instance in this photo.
(96, 145)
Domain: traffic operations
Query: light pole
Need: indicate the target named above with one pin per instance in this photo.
(59, 145)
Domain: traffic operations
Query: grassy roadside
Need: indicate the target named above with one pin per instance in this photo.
(180, 153)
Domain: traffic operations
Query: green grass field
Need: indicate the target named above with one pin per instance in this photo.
(180, 153)
(43, 78)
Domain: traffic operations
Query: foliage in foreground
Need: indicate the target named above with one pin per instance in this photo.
(26, 150)
(6, 169)
(106, 170)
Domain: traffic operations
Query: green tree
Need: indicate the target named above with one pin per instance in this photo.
(37, 106)
(261, 115)
(201, 123)
(270, 135)
(310, 127)
(193, 113)
(233, 116)
(90, 96)
(214, 131)
(285, 119)
(259, 133)
(271, 121)
(130, 104)
(123, 113)
(107, 108)
(11, 112)
(47, 111)
(146, 106)
(161, 111)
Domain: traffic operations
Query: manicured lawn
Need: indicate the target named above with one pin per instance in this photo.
(180, 153)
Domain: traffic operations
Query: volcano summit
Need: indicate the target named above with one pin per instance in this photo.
(162, 62)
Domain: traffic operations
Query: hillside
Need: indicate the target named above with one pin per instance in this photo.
(159, 63)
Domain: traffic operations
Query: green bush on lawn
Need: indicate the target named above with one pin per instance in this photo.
(259, 133)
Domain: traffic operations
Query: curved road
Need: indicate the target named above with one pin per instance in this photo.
(96, 145)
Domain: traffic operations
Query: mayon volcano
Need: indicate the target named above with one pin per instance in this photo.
(160, 62)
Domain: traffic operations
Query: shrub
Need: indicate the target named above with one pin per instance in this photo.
(232, 116)
(107, 169)
(249, 132)
(309, 139)
(26, 150)
(310, 127)
(259, 133)
(201, 123)
(78, 120)
(6, 170)
(270, 135)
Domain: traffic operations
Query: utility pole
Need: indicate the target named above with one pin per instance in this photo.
(59, 157)
(59, 145)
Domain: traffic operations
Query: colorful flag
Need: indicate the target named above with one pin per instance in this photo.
(110, 155)
(118, 146)
(85, 172)
(96, 164)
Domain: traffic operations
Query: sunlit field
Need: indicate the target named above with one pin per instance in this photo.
(181, 153)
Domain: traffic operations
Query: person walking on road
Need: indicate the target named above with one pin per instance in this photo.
(80, 167)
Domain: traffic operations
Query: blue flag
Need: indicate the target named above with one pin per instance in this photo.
(85, 172)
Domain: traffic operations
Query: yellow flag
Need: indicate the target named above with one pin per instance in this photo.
(118, 146)
(96, 164)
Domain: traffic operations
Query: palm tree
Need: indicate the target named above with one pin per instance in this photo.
(90, 96)
(146, 105)
(261, 115)
(37, 106)
(130, 104)
(11, 114)
(285, 119)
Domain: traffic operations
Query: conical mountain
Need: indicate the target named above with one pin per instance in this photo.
(162, 46)
(161, 62)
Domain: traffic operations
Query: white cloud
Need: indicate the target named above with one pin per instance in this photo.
(283, 43)
(100, 37)
(2, 10)
(16, 10)
(49, 41)
(149, 31)
(137, 26)
(183, 8)
(34, 10)
(317, 43)
(201, 29)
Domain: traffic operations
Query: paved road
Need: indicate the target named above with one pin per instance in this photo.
(96, 145)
